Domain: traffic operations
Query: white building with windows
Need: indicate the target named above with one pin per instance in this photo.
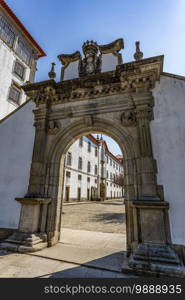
(92, 172)
(18, 56)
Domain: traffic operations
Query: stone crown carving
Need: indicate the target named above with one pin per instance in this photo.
(91, 63)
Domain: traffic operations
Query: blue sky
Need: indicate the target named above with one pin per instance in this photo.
(61, 26)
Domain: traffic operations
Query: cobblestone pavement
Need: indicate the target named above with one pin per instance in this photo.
(107, 216)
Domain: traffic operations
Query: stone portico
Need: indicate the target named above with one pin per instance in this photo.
(120, 104)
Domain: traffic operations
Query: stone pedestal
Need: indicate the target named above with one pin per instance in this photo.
(152, 252)
(31, 235)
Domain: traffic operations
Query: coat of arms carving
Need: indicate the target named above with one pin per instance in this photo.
(91, 63)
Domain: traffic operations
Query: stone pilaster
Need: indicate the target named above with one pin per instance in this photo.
(146, 166)
(38, 172)
(152, 251)
(31, 235)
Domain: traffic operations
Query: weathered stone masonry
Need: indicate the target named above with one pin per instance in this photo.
(118, 103)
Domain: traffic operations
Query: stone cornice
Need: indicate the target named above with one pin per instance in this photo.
(136, 76)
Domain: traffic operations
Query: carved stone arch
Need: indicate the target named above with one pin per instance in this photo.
(58, 149)
(101, 105)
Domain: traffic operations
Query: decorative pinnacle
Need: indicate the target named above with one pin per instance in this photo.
(52, 73)
(138, 54)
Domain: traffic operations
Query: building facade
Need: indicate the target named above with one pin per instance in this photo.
(18, 57)
(92, 172)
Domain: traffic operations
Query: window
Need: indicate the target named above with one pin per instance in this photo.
(69, 159)
(19, 69)
(80, 163)
(95, 180)
(88, 179)
(107, 184)
(116, 166)
(113, 164)
(95, 169)
(81, 141)
(96, 151)
(110, 161)
(14, 94)
(23, 51)
(107, 159)
(110, 176)
(88, 167)
(68, 174)
(6, 32)
(79, 177)
(107, 174)
(89, 147)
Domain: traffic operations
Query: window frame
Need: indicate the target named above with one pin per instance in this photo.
(17, 88)
(88, 167)
(89, 147)
(8, 25)
(81, 142)
(19, 51)
(16, 73)
(95, 169)
(68, 174)
(80, 163)
(69, 159)
(96, 151)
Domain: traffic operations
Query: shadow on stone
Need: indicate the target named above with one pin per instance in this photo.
(112, 203)
(109, 218)
(108, 266)
(4, 252)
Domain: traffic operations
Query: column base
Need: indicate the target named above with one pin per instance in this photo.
(25, 242)
(154, 260)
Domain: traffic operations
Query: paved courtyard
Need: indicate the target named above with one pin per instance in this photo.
(107, 216)
(93, 244)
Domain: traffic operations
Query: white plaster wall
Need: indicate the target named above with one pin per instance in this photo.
(71, 71)
(109, 62)
(168, 140)
(17, 137)
(78, 151)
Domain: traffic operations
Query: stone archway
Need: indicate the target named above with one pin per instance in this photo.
(58, 150)
(119, 104)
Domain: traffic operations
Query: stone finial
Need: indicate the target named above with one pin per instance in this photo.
(138, 54)
(52, 73)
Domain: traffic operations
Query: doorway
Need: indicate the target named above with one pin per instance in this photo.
(67, 193)
(79, 194)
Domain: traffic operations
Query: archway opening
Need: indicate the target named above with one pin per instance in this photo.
(93, 217)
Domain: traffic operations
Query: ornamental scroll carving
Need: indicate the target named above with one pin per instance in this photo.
(53, 127)
(128, 118)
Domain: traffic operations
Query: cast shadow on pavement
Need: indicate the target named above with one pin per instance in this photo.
(109, 218)
(109, 266)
